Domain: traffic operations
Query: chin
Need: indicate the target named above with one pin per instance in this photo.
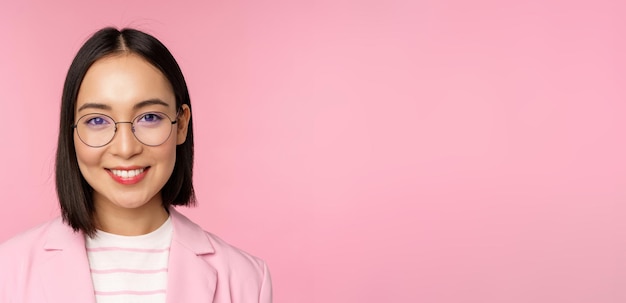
(131, 203)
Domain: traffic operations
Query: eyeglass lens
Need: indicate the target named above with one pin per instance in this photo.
(151, 128)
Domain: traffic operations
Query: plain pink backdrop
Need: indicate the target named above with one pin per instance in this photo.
(370, 151)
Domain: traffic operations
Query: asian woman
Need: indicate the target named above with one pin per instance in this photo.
(124, 161)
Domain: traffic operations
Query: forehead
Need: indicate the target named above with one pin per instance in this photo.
(122, 81)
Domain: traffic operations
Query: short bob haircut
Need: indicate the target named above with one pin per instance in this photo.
(74, 193)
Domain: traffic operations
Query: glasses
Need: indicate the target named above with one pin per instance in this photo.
(151, 128)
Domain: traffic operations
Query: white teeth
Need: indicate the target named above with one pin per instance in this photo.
(127, 173)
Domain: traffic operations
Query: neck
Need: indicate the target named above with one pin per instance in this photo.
(130, 221)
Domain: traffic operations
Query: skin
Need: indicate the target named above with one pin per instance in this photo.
(115, 86)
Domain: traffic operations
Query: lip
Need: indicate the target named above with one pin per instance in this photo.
(131, 180)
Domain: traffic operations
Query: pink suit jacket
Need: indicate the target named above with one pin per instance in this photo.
(49, 264)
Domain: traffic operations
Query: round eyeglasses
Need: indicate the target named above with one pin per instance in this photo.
(150, 128)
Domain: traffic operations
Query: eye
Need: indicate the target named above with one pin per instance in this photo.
(151, 118)
(97, 121)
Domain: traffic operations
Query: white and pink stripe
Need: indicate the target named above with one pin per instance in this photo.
(130, 269)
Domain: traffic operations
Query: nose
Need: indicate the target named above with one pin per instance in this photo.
(125, 144)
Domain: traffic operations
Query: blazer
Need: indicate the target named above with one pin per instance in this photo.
(48, 264)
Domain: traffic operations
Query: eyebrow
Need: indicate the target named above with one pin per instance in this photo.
(135, 107)
(150, 102)
(94, 106)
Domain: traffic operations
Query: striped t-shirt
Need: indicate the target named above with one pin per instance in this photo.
(130, 269)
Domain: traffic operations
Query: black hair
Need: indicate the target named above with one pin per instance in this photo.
(74, 193)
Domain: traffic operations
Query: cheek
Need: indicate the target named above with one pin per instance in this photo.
(85, 156)
(165, 157)
(168, 154)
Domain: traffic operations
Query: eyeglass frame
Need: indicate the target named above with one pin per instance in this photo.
(132, 127)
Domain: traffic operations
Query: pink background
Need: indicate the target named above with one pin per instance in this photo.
(370, 151)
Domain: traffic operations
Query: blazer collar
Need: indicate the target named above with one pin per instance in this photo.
(61, 236)
(191, 278)
(66, 276)
(189, 234)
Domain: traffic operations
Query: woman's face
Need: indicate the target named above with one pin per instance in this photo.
(126, 174)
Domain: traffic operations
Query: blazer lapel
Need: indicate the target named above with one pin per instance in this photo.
(66, 276)
(190, 277)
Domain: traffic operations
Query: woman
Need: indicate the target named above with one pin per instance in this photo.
(124, 159)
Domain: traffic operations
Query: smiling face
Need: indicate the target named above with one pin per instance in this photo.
(127, 175)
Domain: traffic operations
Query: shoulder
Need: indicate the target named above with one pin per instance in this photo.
(217, 251)
(233, 257)
(238, 270)
(21, 254)
(244, 273)
(23, 244)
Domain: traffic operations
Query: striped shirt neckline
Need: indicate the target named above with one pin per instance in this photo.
(130, 268)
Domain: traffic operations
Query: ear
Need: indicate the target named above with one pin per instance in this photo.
(182, 124)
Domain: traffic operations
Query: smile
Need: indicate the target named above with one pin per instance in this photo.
(128, 176)
(127, 173)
